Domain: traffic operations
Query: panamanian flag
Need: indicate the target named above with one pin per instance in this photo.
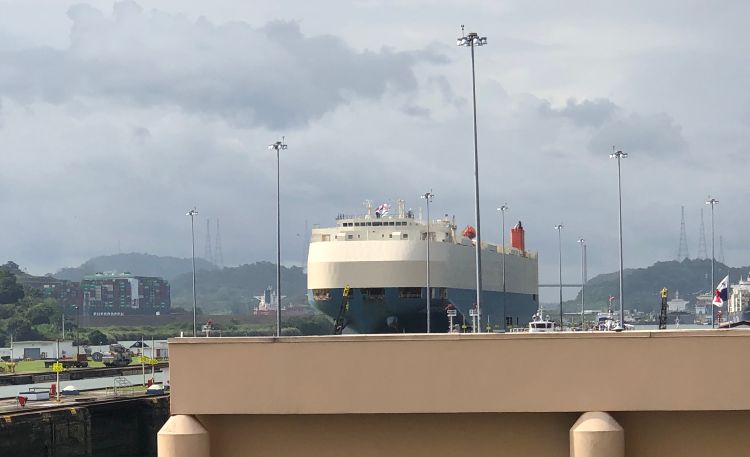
(721, 292)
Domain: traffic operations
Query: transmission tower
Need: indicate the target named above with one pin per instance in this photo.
(208, 255)
(702, 254)
(219, 259)
(721, 250)
(682, 251)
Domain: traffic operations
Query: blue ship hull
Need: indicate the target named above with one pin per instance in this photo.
(393, 313)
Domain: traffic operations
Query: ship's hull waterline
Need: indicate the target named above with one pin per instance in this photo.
(395, 314)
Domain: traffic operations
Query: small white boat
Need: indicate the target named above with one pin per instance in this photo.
(538, 324)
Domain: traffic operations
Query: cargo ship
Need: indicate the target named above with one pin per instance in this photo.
(369, 272)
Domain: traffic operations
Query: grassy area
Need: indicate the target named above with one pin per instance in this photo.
(28, 366)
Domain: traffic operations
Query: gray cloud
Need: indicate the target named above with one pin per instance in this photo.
(654, 135)
(139, 114)
(588, 113)
(272, 76)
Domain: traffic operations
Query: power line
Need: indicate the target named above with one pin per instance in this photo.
(208, 253)
(702, 251)
(219, 254)
(682, 251)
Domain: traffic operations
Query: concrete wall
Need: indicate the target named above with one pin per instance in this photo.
(485, 394)
(648, 434)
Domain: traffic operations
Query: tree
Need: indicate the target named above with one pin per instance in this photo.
(7, 310)
(10, 290)
(97, 338)
(21, 329)
(46, 312)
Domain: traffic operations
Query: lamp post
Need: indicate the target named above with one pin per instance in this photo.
(428, 196)
(559, 228)
(503, 208)
(472, 40)
(620, 155)
(583, 278)
(278, 146)
(712, 202)
(192, 213)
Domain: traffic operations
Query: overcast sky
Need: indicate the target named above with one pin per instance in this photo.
(118, 117)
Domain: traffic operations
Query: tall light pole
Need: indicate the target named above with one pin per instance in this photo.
(583, 278)
(192, 213)
(559, 228)
(278, 146)
(472, 40)
(503, 208)
(712, 202)
(620, 155)
(428, 196)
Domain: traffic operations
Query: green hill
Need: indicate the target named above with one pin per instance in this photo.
(642, 285)
(232, 289)
(138, 264)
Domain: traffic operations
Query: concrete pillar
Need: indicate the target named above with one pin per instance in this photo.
(596, 434)
(183, 436)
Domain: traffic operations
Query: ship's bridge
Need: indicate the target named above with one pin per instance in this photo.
(368, 228)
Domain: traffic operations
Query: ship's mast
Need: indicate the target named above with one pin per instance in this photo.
(401, 208)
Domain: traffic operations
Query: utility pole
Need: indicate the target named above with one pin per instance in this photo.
(559, 228)
(503, 208)
(583, 279)
(428, 196)
(620, 155)
(713, 202)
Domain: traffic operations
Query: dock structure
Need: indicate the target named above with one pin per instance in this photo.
(582, 394)
(96, 425)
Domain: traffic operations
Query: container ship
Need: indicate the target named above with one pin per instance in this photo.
(369, 272)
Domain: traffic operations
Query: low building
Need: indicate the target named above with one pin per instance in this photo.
(115, 294)
(37, 350)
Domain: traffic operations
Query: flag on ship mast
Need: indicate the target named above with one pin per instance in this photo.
(721, 292)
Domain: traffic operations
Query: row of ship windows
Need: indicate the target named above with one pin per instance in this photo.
(378, 293)
(374, 224)
(350, 236)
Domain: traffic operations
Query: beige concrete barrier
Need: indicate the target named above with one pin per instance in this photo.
(597, 434)
(183, 436)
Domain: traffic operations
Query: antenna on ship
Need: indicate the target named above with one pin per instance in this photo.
(702, 253)
(368, 204)
(682, 250)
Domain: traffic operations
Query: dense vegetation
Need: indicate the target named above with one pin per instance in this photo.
(140, 264)
(26, 315)
(232, 289)
(292, 326)
(220, 290)
(642, 285)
